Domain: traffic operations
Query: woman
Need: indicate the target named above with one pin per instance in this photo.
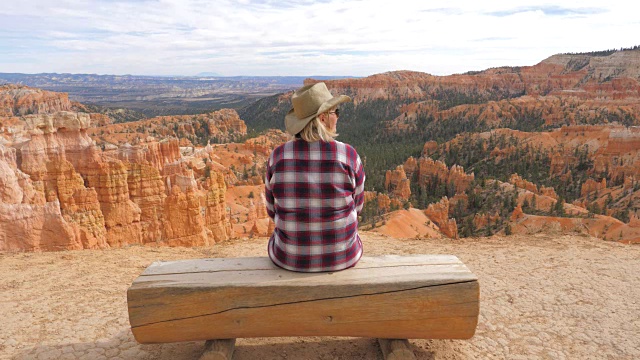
(314, 188)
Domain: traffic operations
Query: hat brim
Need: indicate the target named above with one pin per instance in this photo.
(293, 125)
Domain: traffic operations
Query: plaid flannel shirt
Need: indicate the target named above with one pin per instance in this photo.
(314, 193)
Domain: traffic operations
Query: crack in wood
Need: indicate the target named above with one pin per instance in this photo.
(308, 301)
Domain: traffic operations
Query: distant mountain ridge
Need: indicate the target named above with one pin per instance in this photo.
(569, 76)
(208, 74)
(160, 95)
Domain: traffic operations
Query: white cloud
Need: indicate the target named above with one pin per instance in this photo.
(303, 37)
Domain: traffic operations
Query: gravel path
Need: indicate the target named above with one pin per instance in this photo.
(542, 297)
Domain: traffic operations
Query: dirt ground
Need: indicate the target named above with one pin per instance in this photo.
(542, 297)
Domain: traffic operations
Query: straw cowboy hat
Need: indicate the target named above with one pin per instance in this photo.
(308, 102)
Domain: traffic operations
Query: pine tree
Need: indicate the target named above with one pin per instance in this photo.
(507, 230)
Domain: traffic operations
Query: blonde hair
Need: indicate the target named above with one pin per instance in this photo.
(315, 130)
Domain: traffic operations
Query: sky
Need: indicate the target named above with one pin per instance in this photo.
(303, 38)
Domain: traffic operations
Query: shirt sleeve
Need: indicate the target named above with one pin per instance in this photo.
(358, 196)
(268, 191)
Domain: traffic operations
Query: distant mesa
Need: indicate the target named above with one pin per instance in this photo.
(209, 74)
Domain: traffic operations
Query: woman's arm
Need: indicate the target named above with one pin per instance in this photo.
(268, 191)
(358, 195)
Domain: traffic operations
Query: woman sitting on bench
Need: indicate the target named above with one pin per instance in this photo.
(314, 188)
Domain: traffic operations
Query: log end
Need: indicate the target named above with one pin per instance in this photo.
(219, 349)
(396, 349)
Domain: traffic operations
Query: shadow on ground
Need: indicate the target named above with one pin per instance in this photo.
(123, 346)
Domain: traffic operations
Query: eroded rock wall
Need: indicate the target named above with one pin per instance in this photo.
(60, 191)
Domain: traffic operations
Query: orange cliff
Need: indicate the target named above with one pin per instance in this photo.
(82, 197)
(121, 195)
(591, 185)
(397, 184)
(223, 125)
(28, 222)
(439, 214)
(18, 100)
(385, 204)
(579, 76)
(553, 110)
(563, 89)
(524, 184)
(577, 220)
(612, 149)
(65, 165)
(427, 170)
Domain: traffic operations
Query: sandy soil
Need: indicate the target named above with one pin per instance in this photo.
(542, 297)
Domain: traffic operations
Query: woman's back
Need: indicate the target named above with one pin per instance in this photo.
(314, 192)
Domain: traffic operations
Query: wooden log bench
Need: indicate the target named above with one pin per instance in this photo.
(386, 297)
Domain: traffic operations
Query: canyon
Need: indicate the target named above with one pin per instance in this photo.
(550, 148)
(567, 127)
